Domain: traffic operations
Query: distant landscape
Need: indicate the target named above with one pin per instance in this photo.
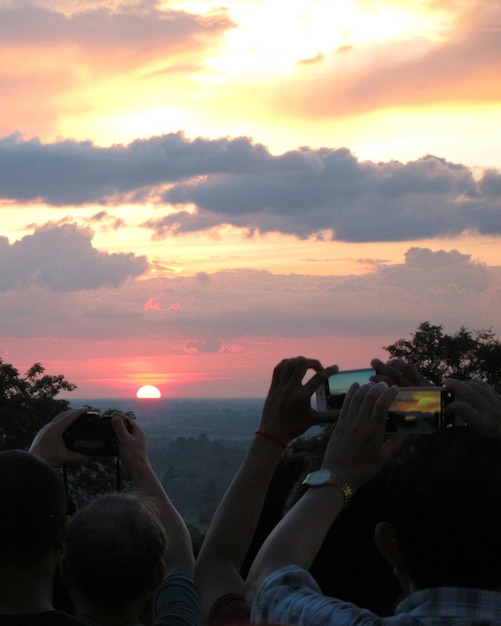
(195, 446)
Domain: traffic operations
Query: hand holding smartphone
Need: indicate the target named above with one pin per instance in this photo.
(415, 410)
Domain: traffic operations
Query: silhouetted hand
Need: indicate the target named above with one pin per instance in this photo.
(287, 412)
(132, 443)
(398, 372)
(49, 444)
(477, 404)
(355, 451)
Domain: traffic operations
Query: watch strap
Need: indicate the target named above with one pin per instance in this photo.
(335, 481)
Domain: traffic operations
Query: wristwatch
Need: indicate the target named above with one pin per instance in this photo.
(323, 477)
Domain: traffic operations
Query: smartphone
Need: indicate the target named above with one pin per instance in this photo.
(332, 393)
(420, 411)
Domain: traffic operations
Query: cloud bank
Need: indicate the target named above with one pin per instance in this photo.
(62, 258)
(205, 183)
(210, 315)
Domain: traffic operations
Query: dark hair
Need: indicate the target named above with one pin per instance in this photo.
(114, 547)
(32, 507)
(444, 499)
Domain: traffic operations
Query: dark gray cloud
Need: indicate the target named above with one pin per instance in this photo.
(303, 192)
(62, 258)
(75, 173)
(206, 346)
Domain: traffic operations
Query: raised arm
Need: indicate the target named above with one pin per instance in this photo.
(287, 413)
(354, 455)
(134, 456)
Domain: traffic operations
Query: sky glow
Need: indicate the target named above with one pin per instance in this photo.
(192, 191)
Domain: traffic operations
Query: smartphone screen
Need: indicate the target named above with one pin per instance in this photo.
(419, 411)
(332, 393)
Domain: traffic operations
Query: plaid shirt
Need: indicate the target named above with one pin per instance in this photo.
(291, 596)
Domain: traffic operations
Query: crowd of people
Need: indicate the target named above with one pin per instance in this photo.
(379, 530)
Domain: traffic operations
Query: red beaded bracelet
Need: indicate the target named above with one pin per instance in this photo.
(264, 433)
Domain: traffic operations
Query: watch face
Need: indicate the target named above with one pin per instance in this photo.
(321, 477)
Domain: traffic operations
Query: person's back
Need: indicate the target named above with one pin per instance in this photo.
(33, 526)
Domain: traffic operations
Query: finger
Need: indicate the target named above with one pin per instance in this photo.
(374, 405)
(318, 378)
(378, 378)
(77, 457)
(278, 372)
(411, 374)
(485, 390)
(292, 370)
(390, 371)
(468, 393)
(119, 427)
(464, 411)
(352, 402)
(297, 368)
(63, 420)
(322, 417)
(383, 401)
(392, 447)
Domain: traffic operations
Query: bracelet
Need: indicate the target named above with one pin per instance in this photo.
(345, 489)
(264, 433)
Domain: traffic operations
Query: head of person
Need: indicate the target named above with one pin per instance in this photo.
(113, 552)
(443, 497)
(33, 517)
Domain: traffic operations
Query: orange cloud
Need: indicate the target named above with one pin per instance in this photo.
(462, 67)
(93, 58)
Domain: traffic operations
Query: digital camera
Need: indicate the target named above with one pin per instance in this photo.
(92, 434)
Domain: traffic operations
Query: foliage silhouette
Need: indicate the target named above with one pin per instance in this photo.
(27, 403)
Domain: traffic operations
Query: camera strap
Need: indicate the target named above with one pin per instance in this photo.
(118, 477)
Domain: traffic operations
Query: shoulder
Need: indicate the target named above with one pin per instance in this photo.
(180, 581)
(291, 595)
(177, 601)
(229, 608)
(289, 578)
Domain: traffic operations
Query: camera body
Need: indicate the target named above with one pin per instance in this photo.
(332, 393)
(92, 434)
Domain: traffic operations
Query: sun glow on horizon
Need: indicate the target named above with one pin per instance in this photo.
(148, 391)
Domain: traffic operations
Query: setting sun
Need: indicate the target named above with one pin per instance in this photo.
(148, 391)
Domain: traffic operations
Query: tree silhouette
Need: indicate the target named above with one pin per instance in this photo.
(466, 354)
(27, 403)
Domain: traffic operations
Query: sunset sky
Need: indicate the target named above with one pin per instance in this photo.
(192, 191)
